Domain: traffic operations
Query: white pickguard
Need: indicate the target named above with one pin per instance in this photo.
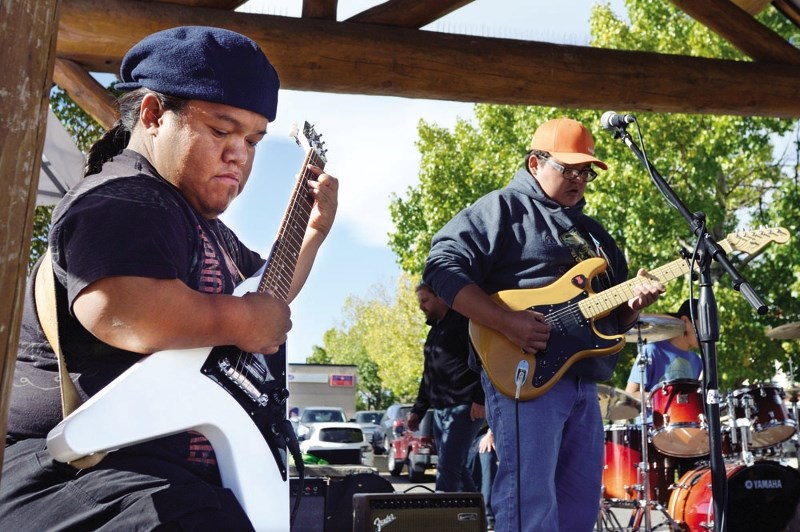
(166, 393)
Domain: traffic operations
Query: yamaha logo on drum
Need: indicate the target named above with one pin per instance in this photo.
(765, 484)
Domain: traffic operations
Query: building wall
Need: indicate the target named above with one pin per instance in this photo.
(322, 385)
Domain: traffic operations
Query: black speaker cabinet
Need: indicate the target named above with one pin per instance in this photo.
(311, 514)
(412, 512)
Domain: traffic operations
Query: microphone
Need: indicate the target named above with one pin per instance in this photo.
(612, 120)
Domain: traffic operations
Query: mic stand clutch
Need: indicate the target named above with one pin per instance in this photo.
(708, 327)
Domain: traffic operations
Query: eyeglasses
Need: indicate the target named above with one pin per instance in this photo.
(573, 174)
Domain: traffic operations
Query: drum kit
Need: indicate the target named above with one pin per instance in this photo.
(661, 466)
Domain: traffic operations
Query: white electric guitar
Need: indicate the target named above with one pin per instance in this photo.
(231, 397)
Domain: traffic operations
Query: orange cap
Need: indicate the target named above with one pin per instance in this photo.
(567, 140)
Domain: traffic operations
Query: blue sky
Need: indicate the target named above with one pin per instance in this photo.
(370, 142)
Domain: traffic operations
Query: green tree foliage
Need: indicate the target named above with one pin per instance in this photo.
(383, 335)
(720, 165)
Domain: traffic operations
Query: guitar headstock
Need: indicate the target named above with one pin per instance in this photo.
(753, 240)
(311, 143)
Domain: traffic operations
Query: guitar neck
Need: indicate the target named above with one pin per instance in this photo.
(282, 261)
(607, 300)
(748, 241)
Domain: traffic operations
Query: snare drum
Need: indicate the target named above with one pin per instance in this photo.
(770, 422)
(622, 478)
(760, 497)
(678, 419)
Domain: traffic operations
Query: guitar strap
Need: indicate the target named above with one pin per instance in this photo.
(44, 289)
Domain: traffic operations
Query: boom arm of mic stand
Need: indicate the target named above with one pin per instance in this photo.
(709, 245)
(708, 329)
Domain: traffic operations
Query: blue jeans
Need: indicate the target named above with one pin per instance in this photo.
(561, 460)
(454, 432)
(484, 469)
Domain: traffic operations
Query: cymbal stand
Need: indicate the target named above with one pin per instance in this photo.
(743, 424)
(795, 437)
(644, 504)
(644, 467)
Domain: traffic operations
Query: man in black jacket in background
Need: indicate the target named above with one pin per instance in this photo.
(451, 389)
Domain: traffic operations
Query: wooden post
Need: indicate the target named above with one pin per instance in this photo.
(28, 32)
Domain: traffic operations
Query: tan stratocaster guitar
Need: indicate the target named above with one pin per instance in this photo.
(571, 306)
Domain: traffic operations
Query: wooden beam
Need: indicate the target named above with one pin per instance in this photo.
(790, 10)
(30, 47)
(366, 59)
(740, 29)
(214, 4)
(408, 13)
(324, 9)
(86, 92)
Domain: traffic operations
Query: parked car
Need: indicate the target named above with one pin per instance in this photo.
(414, 449)
(368, 420)
(337, 443)
(318, 414)
(391, 426)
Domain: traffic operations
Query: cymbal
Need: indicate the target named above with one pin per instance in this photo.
(788, 331)
(655, 327)
(616, 404)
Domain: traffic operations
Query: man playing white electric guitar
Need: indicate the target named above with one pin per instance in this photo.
(142, 265)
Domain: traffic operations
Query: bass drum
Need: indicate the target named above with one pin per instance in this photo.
(761, 497)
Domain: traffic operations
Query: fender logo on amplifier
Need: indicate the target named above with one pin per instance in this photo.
(380, 523)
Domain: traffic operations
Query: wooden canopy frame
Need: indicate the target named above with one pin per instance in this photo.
(380, 51)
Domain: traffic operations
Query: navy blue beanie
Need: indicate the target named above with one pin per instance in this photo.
(203, 63)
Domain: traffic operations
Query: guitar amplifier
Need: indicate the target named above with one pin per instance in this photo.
(312, 512)
(412, 512)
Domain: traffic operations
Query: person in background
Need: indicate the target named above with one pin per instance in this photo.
(528, 235)
(670, 359)
(483, 464)
(451, 388)
(143, 264)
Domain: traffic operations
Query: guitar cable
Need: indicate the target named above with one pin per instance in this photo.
(519, 379)
(284, 429)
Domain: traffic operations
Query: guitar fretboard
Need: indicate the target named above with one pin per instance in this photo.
(609, 299)
(277, 277)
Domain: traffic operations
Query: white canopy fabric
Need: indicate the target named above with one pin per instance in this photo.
(62, 163)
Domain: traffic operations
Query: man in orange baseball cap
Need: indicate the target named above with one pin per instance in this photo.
(527, 235)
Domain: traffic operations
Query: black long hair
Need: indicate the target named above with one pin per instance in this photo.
(116, 139)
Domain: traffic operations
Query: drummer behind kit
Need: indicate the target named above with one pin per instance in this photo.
(671, 473)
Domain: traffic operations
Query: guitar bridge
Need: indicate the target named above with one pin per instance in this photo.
(246, 376)
(243, 382)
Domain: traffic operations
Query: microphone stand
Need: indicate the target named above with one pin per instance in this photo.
(708, 327)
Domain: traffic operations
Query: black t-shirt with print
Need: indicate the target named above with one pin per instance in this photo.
(128, 221)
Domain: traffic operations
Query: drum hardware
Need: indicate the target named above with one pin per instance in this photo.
(616, 404)
(641, 489)
(644, 466)
(794, 392)
(745, 439)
